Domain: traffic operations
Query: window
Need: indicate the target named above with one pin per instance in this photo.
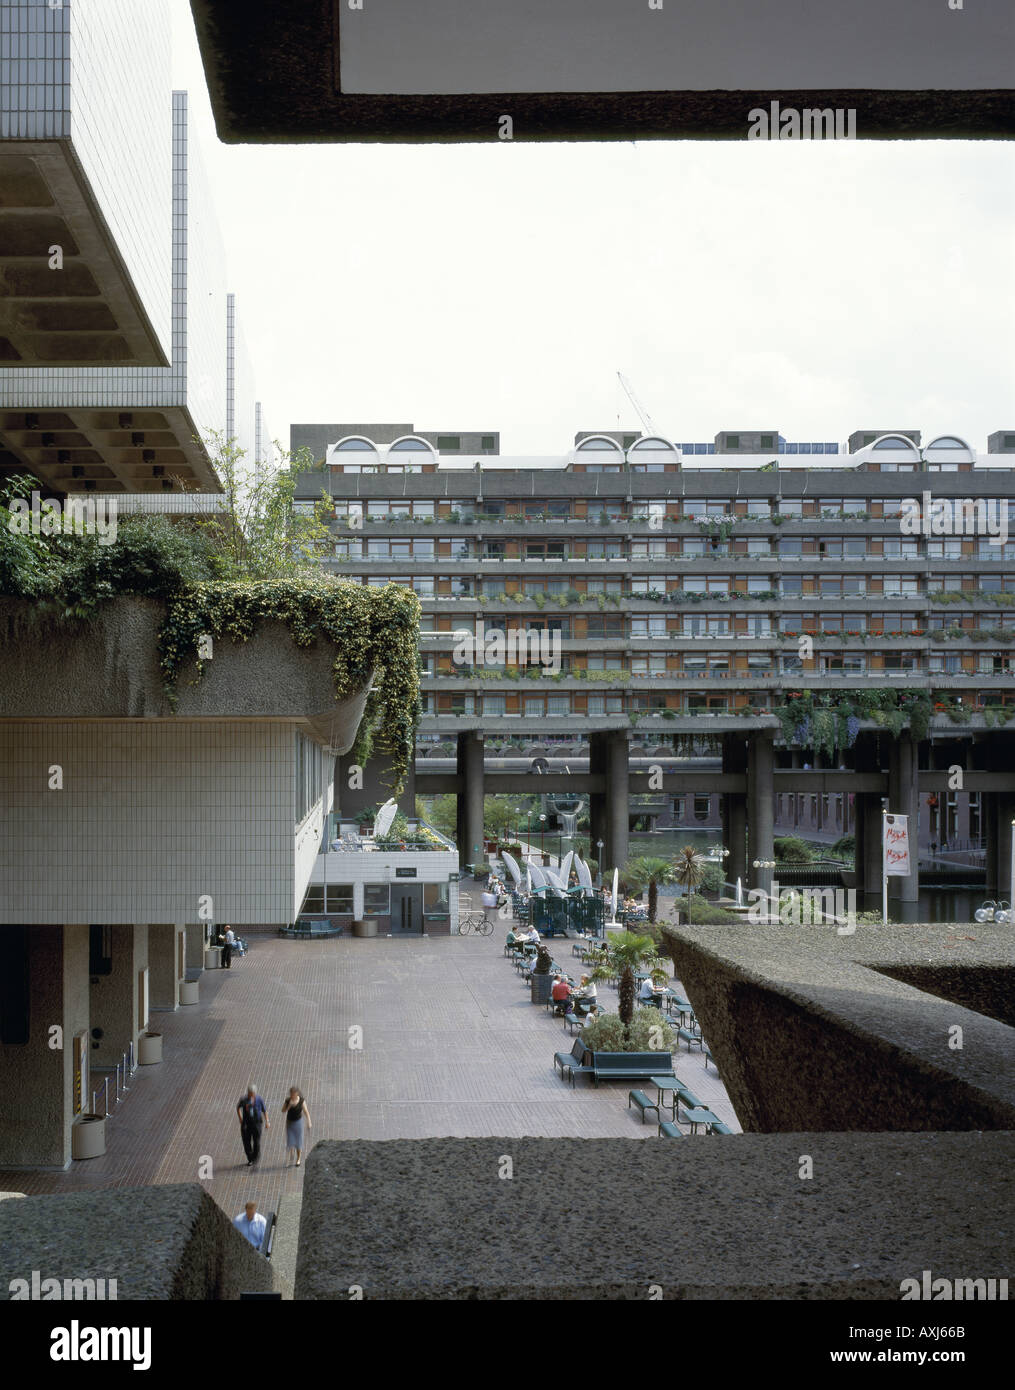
(534, 706)
(768, 441)
(355, 446)
(648, 665)
(409, 446)
(648, 550)
(733, 441)
(643, 627)
(558, 704)
(944, 550)
(376, 899)
(449, 441)
(760, 584)
(606, 704)
(614, 627)
(901, 550)
(494, 704)
(791, 507)
(899, 586)
(759, 627)
(605, 661)
(487, 442)
(791, 585)
(759, 506)
(604, 550)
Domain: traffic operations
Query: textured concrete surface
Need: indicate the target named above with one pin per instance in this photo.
(109, 669)
(728, 1217)
(811, 1033)
(156, 1242)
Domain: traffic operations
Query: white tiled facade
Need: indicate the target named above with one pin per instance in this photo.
(62, 77)
(153, 816)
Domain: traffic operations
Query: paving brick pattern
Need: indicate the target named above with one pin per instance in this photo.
(451, 1047)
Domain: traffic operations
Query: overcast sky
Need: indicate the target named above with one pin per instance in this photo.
(807, 288)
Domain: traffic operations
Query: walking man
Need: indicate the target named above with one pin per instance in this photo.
(252, 1224)
(253, 1114)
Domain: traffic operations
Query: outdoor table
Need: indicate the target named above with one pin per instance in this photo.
(667, 1083)
(700, 1116)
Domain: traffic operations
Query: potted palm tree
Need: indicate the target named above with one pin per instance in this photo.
(627, 951)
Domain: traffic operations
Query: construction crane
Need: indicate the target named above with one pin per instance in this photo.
(640, 411)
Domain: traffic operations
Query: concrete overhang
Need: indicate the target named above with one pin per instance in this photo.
(87, 313)
(108, 669)
(96, 449)
(319, 70)
(891, 1028)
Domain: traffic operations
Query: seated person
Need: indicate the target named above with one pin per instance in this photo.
(592, 1014)
(511, 939)
(648, 989)
(588, 988)
(560, 990)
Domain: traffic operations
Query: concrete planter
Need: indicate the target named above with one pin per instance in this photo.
(540, 985)
(212, 957)
(368, 927)
(190, 991)
(149, 1049)
(88, 1137)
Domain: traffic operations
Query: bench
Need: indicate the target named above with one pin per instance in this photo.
(573, 1021)
(709, 1058)
(572, 1062)
(688, 1098)
(630, 1066)
(642, 1102)
(691, 1039)
(717, 1127)
(668, 1130)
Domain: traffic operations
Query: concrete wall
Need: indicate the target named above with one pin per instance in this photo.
(114, 997)
(705, 1218)
(36, 1079)
(165, 1243)
(164, 963)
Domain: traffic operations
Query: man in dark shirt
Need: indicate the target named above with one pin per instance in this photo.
(252, 1113)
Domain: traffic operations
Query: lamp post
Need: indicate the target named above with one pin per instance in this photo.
(542, 827)
(518, 815)
(599, 861)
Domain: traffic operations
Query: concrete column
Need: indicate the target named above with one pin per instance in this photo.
(867, 822)
(37, 1078)
(1002, 840)
(164, 942)
(904, 799)
(358, 900)
(734, 759)
(195, 934)
(618, 817)
(470, 798)
(116, 1003)
(597, 800)
(760, 819)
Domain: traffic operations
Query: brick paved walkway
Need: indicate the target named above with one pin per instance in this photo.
(451, 1047)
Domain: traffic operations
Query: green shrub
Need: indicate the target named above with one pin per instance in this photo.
(649, 1032)
(790, 849)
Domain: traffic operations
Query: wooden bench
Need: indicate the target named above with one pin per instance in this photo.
(642, 1102)
(630, 1066)
(668, 1130)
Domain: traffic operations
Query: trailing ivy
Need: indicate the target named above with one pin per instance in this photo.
(831, 722)
(374, 630)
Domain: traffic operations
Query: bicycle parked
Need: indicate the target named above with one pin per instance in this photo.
(474, 923)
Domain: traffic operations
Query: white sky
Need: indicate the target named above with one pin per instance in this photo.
(803, 287)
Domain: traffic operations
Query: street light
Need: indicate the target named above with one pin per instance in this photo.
(599, 875)
(542, 827)
(518, 812)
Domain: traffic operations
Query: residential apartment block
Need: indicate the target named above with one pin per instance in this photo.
(689, 589)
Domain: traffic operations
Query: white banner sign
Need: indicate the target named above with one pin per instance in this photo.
(896, 846)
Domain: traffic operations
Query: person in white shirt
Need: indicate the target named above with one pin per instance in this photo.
(252, 1224)
(227, 949)
(647, 990)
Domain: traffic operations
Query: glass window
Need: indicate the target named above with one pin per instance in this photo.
(376, 898)
(355, 446)
(340, 898)
(409, 446)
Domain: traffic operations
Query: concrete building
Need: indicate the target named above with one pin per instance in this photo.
(119, 339)
(674, 588)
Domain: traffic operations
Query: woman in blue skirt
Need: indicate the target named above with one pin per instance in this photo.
(297, 1118)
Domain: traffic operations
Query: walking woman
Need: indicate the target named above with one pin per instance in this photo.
(297, 1118)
